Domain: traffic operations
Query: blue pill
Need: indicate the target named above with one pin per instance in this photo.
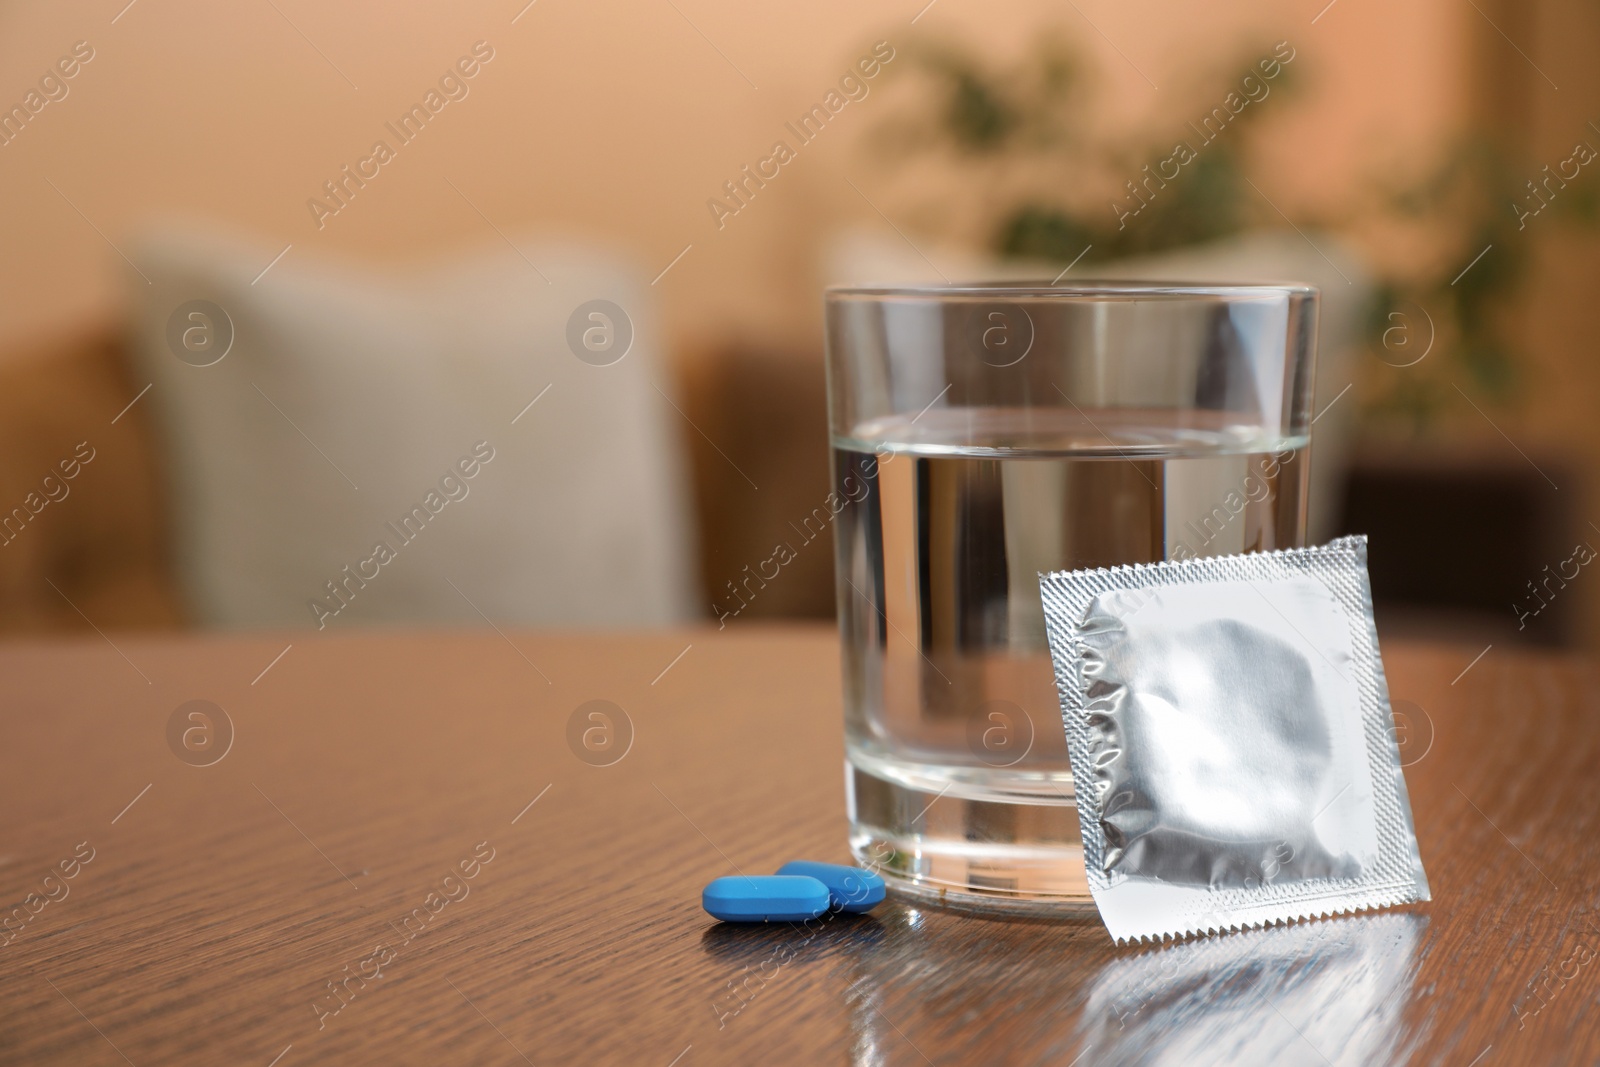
(853, 889)
(765, 898)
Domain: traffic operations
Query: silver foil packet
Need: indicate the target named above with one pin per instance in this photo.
(1231, 740)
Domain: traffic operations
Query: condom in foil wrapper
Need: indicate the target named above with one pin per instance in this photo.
(1231, 740)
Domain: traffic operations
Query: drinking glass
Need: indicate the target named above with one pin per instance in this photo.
(983, 434)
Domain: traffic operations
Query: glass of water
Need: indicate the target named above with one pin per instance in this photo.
(983, 434)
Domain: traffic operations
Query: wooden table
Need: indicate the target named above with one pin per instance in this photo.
(223, 903)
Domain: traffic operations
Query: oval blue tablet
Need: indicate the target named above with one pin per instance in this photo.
(765, 898)
(853, 889)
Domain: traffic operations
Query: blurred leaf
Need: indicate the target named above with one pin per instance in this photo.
(1203, 203)
(1037, 232)
(979, 119)
(1580, 202)
(1492, 367)
(975, 115)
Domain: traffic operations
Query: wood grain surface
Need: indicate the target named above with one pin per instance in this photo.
(372, 816)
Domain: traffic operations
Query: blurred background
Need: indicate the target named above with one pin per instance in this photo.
(529, 293)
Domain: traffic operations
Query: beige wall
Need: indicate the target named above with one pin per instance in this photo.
(613, 121)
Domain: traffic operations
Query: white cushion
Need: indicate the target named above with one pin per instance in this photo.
(582, 516)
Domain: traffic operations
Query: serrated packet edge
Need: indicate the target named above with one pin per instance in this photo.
(1146, 909)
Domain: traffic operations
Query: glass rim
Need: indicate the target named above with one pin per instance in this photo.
(1088, 289)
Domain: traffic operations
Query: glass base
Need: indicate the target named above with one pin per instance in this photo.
(967, 846)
